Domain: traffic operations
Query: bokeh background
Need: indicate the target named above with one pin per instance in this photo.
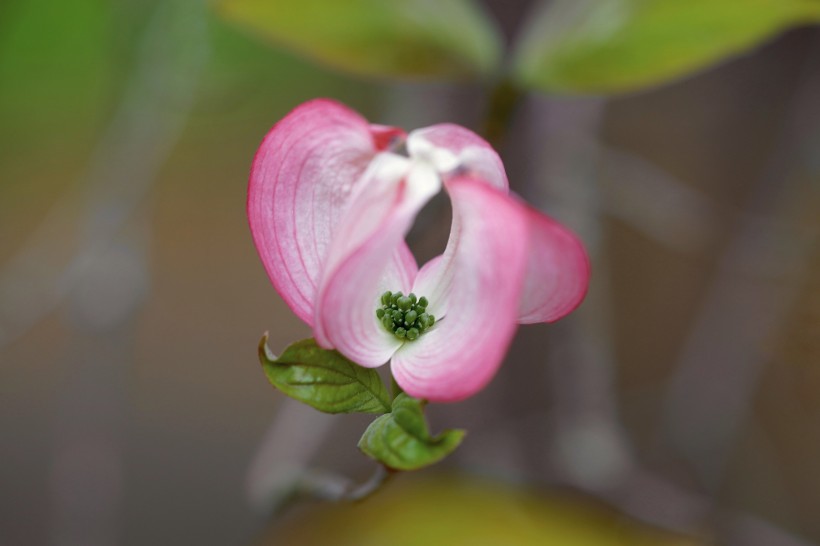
(682, 397)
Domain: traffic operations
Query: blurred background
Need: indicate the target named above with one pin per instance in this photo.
(678, 405)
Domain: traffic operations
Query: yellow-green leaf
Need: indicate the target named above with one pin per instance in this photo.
(466, 511)
(603, 46)
(386, 38)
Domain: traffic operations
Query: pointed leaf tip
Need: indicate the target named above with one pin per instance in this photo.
(324, 379)
(265, 354)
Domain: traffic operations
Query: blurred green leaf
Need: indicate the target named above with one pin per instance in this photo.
(324, 379)
(55, 71)
(401, 440)
(388, 38)
(602, 46)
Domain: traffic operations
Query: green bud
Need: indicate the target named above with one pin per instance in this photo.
(421, 321)
(404, 316)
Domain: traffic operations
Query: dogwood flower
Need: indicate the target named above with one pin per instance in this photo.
(330, 201)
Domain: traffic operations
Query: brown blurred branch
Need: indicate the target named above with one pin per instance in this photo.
(759, 276)
(652, 201)
(294, 436)
(590, 449)
(588, 446)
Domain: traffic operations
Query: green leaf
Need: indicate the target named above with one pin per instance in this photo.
(400, 440)
(324, 379)
(387, 38)
(602, 46)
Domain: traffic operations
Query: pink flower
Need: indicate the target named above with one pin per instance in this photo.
(330, 201)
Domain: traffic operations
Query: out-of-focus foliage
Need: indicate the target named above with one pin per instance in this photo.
(386, 38)
(604, 46)
(324, 379)
(457, 512)
(54, 67)
(401, 439)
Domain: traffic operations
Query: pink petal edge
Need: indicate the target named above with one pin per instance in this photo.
(302, 175)
(479, 161)
(463, 351)
(558, 271)
(477, 158)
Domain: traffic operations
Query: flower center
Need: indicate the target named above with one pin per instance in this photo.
(405, 317)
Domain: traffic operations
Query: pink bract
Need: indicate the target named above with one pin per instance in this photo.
(330, 201)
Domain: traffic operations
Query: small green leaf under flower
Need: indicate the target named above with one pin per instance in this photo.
(401, 440)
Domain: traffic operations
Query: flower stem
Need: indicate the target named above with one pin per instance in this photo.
(380, 476)
(502, 105)
(334, 488)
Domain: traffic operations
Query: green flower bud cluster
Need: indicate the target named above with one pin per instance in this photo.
(405, 317)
